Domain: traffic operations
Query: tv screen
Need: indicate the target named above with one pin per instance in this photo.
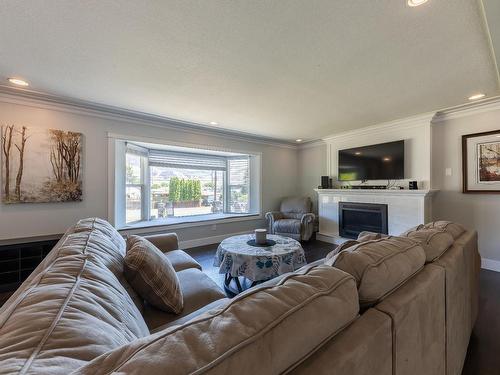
(383, 161)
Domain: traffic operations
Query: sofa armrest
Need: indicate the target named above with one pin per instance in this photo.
(307, 218)
(271, 217)
(165, 242)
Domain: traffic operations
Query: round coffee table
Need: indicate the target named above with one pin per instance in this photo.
(246, 264)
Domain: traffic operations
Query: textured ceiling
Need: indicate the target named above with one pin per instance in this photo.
(284, 69)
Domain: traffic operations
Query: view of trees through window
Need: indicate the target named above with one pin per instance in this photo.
(185, 192)
(156, 190)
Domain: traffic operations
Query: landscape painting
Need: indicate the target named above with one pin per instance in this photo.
(489, 162)
(40, 165)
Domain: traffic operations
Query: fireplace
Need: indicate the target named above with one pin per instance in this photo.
(357, 217)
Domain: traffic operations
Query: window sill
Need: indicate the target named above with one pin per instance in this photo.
(160, 225)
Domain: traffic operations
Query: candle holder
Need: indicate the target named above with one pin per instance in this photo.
(260, 236)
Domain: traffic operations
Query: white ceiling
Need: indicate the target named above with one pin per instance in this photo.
(284, 69)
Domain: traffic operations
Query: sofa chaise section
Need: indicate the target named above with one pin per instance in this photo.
(265, 330)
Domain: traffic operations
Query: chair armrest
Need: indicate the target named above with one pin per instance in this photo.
(307, 218)
(165, 242)
(274, 215)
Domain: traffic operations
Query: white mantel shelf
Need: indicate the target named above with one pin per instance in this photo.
(405, 208)
(396, 192)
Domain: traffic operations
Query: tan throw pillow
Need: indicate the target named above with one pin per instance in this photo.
(152, 276)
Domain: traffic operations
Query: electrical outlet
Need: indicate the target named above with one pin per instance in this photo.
(214, 226)
(447, 172)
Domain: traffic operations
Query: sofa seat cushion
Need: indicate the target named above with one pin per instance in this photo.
(71, 311)
(217, 304)
(197, 291)
(380, 266)
(434, 242)
(180, 260)
(271, 327)
(152, 276)
(287, 226)
(455, 229)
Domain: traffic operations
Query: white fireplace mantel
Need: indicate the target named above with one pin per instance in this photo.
(405, 208)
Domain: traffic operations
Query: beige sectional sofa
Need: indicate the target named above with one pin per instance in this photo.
(77, 314)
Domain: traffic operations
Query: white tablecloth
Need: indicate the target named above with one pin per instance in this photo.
(236, 257)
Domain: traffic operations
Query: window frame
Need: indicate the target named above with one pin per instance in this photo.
(143, 185)
(117, 209)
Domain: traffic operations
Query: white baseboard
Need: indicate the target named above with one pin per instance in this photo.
(207, 240)
(490, 264)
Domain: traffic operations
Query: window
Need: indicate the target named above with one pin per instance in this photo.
(172, 184)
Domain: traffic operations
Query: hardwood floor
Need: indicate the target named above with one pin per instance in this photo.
(483, 357)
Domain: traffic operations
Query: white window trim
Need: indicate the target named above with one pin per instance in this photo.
(117, 179)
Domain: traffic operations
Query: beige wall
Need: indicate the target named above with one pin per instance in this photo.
(312, 165)
(479, 211)
(279, 171)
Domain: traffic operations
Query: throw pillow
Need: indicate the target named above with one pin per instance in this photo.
(152, 276)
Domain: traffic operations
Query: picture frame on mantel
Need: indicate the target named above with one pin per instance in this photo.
(481, 163)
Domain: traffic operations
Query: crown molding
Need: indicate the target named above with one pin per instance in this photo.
(52, 102)
(311, 144)
(405, 123)
(468, 109)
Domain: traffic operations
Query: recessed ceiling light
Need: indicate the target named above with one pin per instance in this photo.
(214, 123)
(18, 82)
(298, 140)
(357, 153)
(387, 159)
(416, 3)
(477, 96)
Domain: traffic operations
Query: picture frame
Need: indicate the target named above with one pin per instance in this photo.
(481, 163)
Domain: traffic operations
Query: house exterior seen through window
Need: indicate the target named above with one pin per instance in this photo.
(166, 185)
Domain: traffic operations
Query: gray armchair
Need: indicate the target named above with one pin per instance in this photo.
(294, 219)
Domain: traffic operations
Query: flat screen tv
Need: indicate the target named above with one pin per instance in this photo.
(384, 161)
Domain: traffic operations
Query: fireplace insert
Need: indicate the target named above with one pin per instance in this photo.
(358, 217)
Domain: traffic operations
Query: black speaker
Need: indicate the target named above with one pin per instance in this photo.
(324, 182)
(413, 185)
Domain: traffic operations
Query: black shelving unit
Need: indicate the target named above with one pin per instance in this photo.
(19, 260)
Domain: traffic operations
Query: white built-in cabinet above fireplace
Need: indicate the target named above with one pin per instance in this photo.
(405, 208)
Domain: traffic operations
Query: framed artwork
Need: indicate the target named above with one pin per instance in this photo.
(481, 162)
(40, 165)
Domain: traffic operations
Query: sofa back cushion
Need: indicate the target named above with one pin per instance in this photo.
(455, 229)
(380, 266)
(73, 310)
(272, 327)
(434, 242)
